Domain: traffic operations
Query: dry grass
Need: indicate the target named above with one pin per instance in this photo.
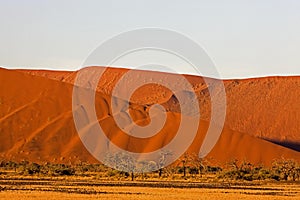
(143, 193)
(82, 188)
(31, 181)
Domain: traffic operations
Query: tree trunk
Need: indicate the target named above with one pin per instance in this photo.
(160, 172)
(199, 171)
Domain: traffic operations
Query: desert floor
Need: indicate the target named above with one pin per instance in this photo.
(48, 189)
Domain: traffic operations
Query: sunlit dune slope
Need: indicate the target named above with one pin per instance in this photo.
(36, 124)
(266, 108)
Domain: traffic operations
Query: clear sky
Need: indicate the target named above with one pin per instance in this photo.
(244, 38)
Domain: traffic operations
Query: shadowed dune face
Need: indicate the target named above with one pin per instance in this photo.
(37, 122)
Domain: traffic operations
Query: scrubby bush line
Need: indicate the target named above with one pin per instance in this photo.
(187, 167)
(281, 170)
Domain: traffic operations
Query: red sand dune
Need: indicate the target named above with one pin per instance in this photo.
(36, 121)
(266, 108)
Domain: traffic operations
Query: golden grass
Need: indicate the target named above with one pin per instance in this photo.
(142, 193)
(82, 188)
(17, 185)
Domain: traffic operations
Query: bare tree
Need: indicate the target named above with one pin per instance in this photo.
(286, 169)
(197, 162)
(185, 160)
(162, 161)
(145, 166)
(122, 162)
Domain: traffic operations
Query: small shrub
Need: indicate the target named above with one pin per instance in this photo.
(193, 170)
(63, 170)
(33, 168)
(213, 169)
(112, 173)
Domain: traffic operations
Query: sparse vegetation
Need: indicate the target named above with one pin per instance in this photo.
(188, 167)
(241, 179)
(281, 170)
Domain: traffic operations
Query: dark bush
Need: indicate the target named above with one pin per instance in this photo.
(33, 168)
(193, 170)
(213, 169)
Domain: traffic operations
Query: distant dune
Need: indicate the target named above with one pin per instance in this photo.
(36, 121)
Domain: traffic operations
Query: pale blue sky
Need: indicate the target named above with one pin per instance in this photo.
(244, 38)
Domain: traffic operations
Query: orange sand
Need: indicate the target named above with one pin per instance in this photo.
(36, 121)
